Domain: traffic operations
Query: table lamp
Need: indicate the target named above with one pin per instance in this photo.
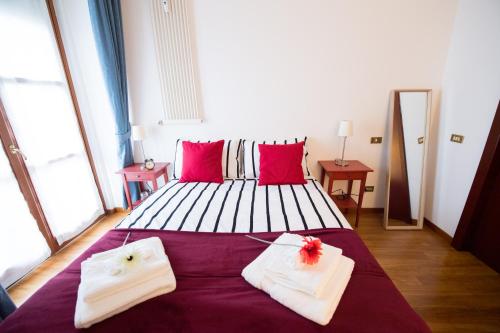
(139, 134)
(345, 130)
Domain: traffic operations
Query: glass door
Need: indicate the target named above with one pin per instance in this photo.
(22, 245)
(39, 126)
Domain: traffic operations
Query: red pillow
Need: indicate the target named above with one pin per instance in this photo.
(281, 164)
(202, 162)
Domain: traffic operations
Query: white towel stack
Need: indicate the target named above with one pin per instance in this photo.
(313, 291)
(111, 284)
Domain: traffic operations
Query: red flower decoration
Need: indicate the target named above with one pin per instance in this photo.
(311, 251)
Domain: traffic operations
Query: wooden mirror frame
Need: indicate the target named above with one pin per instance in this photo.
(420, 221)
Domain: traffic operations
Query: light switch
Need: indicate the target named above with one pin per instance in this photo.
(457, 138)
(376, 139)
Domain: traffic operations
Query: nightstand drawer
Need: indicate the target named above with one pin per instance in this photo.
(133, 176)
(347, 175)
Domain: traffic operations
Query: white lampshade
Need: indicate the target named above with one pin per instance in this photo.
(138, 133)
(345, 128)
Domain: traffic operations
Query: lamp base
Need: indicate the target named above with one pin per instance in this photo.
(341, 162)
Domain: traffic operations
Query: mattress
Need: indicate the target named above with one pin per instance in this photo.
(237, 205)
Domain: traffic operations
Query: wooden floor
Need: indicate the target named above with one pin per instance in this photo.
(453, 291)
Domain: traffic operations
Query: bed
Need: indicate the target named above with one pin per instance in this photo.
(202, 227)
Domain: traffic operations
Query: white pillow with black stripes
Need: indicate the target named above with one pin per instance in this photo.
(230, 159)
(251, 156)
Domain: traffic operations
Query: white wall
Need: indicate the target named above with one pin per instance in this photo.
(76, 30)
(287, 67)
(281, 68)
(471, 91)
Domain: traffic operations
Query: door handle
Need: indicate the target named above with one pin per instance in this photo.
(14, 150)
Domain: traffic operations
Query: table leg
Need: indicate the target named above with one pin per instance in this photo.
(349, 191)
(322, 177)
(127, 192)
(155, 184)
(330, 183)
(360, 198)
(349, 187)
(165, 177)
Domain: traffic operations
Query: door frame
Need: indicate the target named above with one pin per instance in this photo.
(468, 220)
(16, 161)
(23, 179)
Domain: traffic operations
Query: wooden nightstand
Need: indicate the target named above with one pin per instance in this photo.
(134, 173)
(354, 171)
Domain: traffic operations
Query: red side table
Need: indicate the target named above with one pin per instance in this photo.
(354, 171)
(135, 173)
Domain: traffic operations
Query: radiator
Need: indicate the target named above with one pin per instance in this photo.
(176, 68)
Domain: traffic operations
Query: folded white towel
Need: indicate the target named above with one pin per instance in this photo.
(110, 284)
(107, 273)
(88, 314)
(284, 266)
(317, 309)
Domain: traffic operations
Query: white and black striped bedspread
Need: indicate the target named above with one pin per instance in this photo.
(237, 205)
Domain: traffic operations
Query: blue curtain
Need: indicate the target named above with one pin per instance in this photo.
(6, 304)
(106, 19)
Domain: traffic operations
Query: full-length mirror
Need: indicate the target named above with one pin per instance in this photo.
(408, 142)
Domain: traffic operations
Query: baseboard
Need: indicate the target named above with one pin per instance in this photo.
(379, 210)
(116, 210)
(438, 230)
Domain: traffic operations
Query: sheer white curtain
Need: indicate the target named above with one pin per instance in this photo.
(95, 107)
(37, 102)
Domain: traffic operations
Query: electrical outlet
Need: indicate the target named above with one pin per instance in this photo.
(376, 139)
(457, 138)
(369, 188)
